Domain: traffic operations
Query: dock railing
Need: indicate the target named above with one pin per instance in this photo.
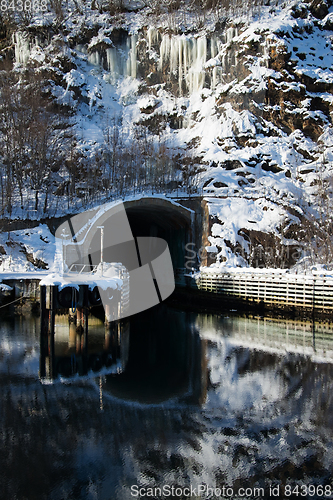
(273, 288)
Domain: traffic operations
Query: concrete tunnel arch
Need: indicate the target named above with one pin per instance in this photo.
(149, 216)
(163, 219)
(146, 236)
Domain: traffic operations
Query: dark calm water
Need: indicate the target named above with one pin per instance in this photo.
(205, 401)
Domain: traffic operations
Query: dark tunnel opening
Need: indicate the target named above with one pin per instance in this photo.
(171, 223)
(170, 226)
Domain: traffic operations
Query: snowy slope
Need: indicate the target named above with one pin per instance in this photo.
(28, 250)
(241, 106)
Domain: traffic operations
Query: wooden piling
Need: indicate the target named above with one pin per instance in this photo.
(72, 316)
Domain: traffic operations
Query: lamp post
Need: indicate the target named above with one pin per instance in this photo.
(102, 242)
(64, 244)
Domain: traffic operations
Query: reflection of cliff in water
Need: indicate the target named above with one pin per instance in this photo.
(267, 417)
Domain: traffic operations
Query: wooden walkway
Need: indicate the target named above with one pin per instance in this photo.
(277, 289)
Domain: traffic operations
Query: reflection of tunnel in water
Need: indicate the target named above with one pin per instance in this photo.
(147, 219)
(268, 419)
(167, 359)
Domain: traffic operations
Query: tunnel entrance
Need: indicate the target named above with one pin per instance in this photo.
(162, 220)
(150, 217)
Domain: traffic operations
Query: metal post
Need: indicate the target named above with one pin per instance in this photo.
(314, 315)
(64, 244)
(102, 243)
(63, 256)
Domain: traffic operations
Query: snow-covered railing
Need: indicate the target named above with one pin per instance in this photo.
(82, 268)
(280, 289)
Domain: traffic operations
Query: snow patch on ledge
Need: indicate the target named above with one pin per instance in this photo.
(106, 280)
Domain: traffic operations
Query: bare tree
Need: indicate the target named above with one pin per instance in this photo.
(33, 138)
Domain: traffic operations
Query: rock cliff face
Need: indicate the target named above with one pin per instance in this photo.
(241, 109)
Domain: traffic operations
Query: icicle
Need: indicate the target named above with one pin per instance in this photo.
(113, 63)
(196, 74)
(194, 52)
(81, 48)
(187, 56)
(134, 60)
(152, 36)
(214, 78)
(164, 50)
(121, 61)
(22, 47)
(214, 50)
(184, 58)
(127, 67)
(173, 54)
(202, 50)
(131, 61)
(94, 59)
(214, 47)
(230, 34)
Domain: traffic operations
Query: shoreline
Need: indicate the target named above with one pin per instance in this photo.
(191, 300)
